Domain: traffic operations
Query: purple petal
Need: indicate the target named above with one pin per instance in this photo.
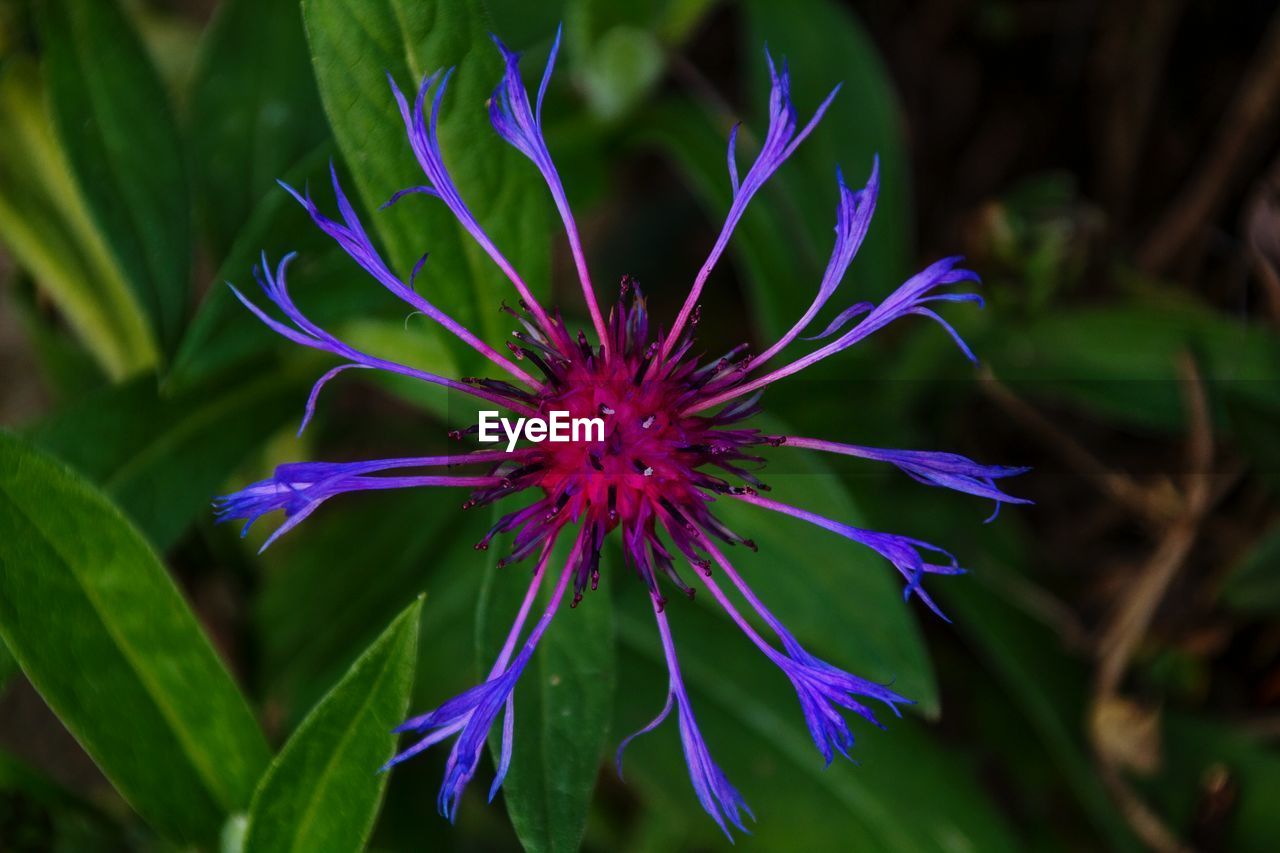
(653, 724)
(517, 124)
(781, 140)
(473, 713)
(407, 191)
(933, 468)
(903, 552)
(508, 744)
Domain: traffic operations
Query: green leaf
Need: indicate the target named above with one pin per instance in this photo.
(45, 224)
(106, 638)
(172, 42)
(113, 118)
(328, 592)
(162, 458)
(354, 43)
(1121, 361)
(907, 793)
(1254, 585)
(564, 703)
(323, 789)
(828, 45)
(254, 110)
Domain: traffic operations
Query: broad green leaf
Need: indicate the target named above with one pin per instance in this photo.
(163, 458)
(354, 43)
(332, 586)
(563, 704)
(254, 111)
(1121, 361)
(323, 790)
(45, 224)
(907, 792)
(113, 118)
(104, 635)
(1254, 585)
(828, 45)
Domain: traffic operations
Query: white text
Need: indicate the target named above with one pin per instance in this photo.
(558, 426)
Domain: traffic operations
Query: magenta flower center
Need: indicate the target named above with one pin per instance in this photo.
(645, 471)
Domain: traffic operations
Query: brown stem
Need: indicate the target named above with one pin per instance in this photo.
(1129, 66)
(1155, 505)
(1201, 198)
(1131, 620)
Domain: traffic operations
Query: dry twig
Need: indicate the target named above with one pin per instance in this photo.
(1237, 136)
(1131, 620)
(1155, 505)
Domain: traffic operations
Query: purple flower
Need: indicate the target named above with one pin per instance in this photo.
(662, 460)
(716, 794)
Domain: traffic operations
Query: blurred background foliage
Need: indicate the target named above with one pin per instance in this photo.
(1111, 679)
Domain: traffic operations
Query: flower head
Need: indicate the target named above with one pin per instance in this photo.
(675, 439)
